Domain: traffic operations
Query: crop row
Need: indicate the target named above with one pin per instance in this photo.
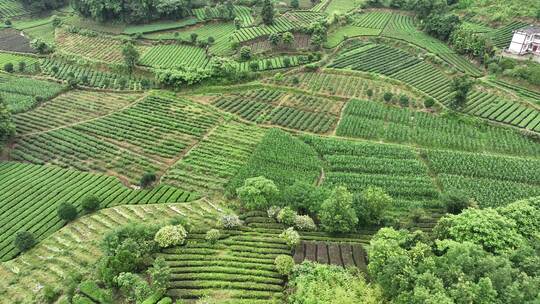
(32, 193)
(91, 77)
(21, 93)
(174, 56)
(272, 63)
(70, 108)
(377, 121)
(98, 48)
(375, 20)
(217, 158)
(502, 36)
(11, 8)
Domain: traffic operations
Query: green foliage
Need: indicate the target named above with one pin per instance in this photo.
(229, 221)
(245, 53)
(170, 235)
(319, 283)
(284, 264)
(388, 96)
(291, 237)
(455, 202)
(295, 4)
(131, 56)
(8, 67)
(371, 205)
(147, 179)
(441, 26)
(287, 216)
(7, 127)
(90, 203)
(496, 233)
(178, 78)
(133, 287)
(267, 12)
(337, 213)
(429, 102)
(212, 236)
(460, 87)
(304, 196)
(24, 240)
(66, 212)
(257, 193)
(160, 276)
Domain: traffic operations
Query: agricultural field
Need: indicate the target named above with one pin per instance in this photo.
(21, 94)
(267, 152)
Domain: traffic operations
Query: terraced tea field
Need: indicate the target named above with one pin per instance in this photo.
(75, 247)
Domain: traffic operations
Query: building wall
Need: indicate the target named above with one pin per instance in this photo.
(518, 43)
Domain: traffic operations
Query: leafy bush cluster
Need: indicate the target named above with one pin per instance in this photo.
(171, 235)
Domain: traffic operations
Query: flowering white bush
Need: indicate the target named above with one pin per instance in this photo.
(273, 211)
(291, 237)
(286, 216)
(229, 221)
(304, 223)
(170, 235)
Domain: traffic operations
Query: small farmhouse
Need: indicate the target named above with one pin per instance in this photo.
(526, 41)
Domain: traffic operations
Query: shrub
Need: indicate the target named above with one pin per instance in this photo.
(90, 203)
(284, 264)
(371, 205)
(229, 221)
(257, 193)
(404, 100)
(273, 211)
(291, 237)
(8, 67)
(147, 179)
(369, 93)
(22, 66)
(337, 213)
(66, 212)
(24, 240)
(455, 202)
(170, 235)
(429, 102)
(213, 235)
(245, 53)
(287, 216)
(304, 223)
(295, 80)
(254, 66)
(388, 96)
(311, 67)
(49, 294)
(287, 62)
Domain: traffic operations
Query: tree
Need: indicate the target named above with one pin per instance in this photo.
(66, 212)
(211, 40)
(388, 96)
(455, 202)
(288, 39)
(8, 67)
(337, 213)
(460, 86)
(274, 38)
(304, 197)
(237, 23)
(284, 264)
(295, 4)
(371, 205)
(287, 216)
(131, 56)
(245, 53)
(7, 127)
(254, 66)
(268, 12)
(90, 203)
(429, 102)
(22, 66)
(441, 26)
(160, 276)
(147, 179)
(24, 240)
(257, 193)
(194, 37)
(171, 235)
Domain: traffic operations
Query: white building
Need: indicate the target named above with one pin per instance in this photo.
(526, 41)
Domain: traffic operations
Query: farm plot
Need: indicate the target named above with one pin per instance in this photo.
(343, 33)
(70, 108)
(340, 84)
(519, 90)
(44, 32)
(491, 180)
(342, 6)
(11, 8)
(377, 121)
(75, 247)
(275, 107)
(239, 268)
(289, 21)
(358, 165)
(273, 63)
(340, 254)
(31, 194)
(402, 27)
(216, 158)
(220, 31)
(427, 79)
(146, 136)
(281, 158)
(102, 49)
(242, 12)
(21, 94)
(15, 59)
(380, 59)
(502, 36)
(159, 26)
(91, 77)
(13, 41)
(494, 108)
(174, 56)
(373, 20)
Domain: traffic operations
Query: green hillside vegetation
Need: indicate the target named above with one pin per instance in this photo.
(268, 152)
